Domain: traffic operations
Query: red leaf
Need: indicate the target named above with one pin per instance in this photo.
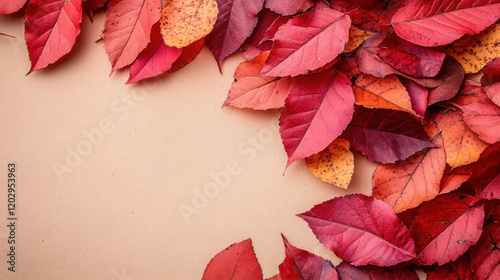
(409, 58)
(459, 269)
(302, 265)
(11, 6)
(448, 81)
(256, 43)
(492, 191)
(51, 28)
(361, 230)
(418, 96)
(483, 117)
(235, 22)
(431, 23)
(368, 60)
(406, 184)
(446, 227)
(386, 135)
(189, 53)
(155, 60)
(127, 29)
(350, 272)
(307, 42)
(491, 80)
(470, 92)
(290, 8)
(237, 262)
(318, 108)
(250, 90)
(486, 254)
(452, 180)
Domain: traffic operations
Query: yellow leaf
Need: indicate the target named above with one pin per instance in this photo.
(475, 51)
(356, 38)
(185, 21)
(334, 165)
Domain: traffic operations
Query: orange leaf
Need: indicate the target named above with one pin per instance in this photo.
(462, 146)
(406, 184)
(356, 38)
(383, 93)
(334, 165)
(186, 21)
(475, 51)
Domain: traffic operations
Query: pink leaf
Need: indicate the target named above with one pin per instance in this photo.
(235, 22)
(431, 23)
(318, 108)
(237, 262)
(302, 265)
(486, 254)
(492, 191)
(350, 272)
(11, 6)
(156, 59)
(307, 42)
(418, 96)
(483, 117)
(290, 8)
(51, 28)
(361, 230)
(127, 29)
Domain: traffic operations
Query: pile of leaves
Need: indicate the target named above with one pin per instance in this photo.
(390, 80)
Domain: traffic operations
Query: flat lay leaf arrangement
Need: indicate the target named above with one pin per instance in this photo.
(411, 85)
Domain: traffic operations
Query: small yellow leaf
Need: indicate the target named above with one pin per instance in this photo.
(334, 165)
(356, 38)
(185, 21)
(475, 51)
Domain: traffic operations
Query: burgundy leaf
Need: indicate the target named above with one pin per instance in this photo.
(289, 7)
(459, 269)
(350, 272)
(418, 95)
(486, 254)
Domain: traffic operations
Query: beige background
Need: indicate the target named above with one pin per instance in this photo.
(116, 214)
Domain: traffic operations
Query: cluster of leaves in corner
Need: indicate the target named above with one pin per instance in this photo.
(383, 78)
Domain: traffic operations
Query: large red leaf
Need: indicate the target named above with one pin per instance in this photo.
(127, 29)
(486, 254)
(289, 7)
(11, 6)
(156, 59)
(459, 269)
(251, 90)
(409, 58)
(406, 184)
(369, 272)
(483, 117)
(237, 262)
(437, 23)
(361, 230)
(318, 108)
(235, 22)
(386, 136)
(446, 227)
(307, 42)
(51, 28)
(302, 265)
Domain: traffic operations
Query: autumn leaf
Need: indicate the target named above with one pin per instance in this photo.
(459, 269)
(406, 184)
(257, 42)
(447, 84)
(382, 93)
(188, 54)
(483, 117)
(334, 165)
(470, 92)
(290, 8)
(430, 23)
(386, 136)
(485, 254)
(234, 24)
(356, 38)
(184, 22)
(462, 146)
(492, 191)
(155, 60)
(409, 58)
(361, 230)
(127, 29)
(302, 265)
(368, 60)
(452, 180)
(491, 80)
(307, 42)
(446, 227)
(251, 90)
(318, 108)
(51, 28)
(369, 272)
(418, 95)
(475, 51)
(237, 262)
(11, 6)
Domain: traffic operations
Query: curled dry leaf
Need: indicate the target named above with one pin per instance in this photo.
(184, 22)
(475, 51)
(361, 230)
(334, 165)
(430, 23)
